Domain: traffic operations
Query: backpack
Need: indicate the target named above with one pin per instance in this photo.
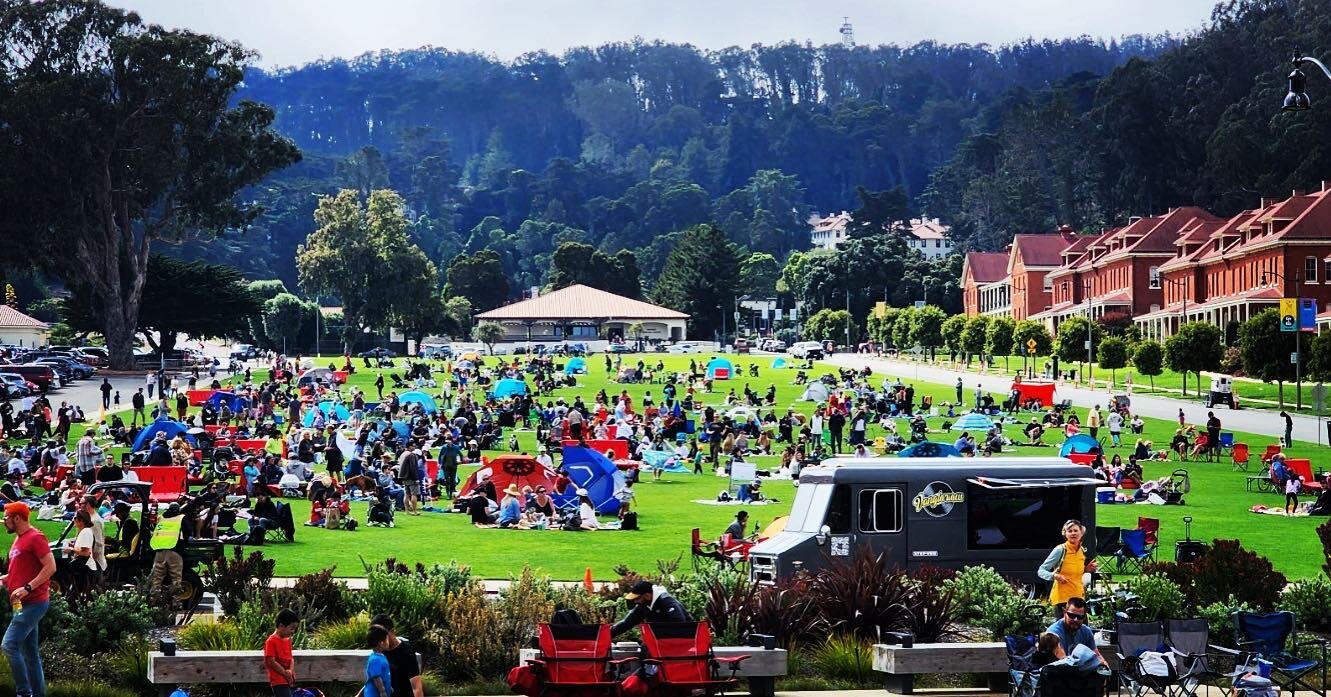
(630, 521)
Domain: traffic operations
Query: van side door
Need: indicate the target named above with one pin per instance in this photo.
(881, 520)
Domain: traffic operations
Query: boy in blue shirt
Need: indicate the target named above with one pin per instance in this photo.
(378, 676)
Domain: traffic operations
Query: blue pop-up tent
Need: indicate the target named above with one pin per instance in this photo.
(509, 387)
(577, 364)
(930, 449)
(779, 362)
(330, 410)
(170, 426)
(592, 471)
(418, 397)
(233, 401)
(720, 369)
(1080, 443)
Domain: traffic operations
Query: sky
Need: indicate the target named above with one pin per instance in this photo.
(291, 32)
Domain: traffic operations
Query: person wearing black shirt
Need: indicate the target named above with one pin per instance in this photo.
(129, 528)
(402, 662)
(836, 425)
(9, 491)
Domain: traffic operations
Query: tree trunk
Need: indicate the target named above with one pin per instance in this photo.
(119, 336)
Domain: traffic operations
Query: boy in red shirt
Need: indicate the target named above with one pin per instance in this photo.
(277, 656)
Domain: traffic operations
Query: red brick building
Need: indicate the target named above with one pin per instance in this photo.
(1030, 260)
(984, 287)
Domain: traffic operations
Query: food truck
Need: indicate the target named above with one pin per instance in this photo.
(1006, 513)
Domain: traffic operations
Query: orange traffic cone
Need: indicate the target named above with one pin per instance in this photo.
(587, 581)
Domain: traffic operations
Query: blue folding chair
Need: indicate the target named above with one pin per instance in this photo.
(1269, 637)
(1135, 552)
(1226, 441)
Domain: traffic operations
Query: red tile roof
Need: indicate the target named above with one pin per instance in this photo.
(986, 267)
(9, 317)
(1044, 250)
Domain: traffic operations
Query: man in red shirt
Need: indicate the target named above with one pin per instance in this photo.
(28, 582)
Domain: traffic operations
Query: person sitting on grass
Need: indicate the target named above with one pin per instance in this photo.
(510, 508)
(586, 511)
(1034, 432)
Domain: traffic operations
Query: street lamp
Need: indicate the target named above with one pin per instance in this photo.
(1176, 283)
(1298, 329)
(1296, 99)
(1090, 325)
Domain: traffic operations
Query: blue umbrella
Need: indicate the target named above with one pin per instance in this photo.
(973, 421)
(930, 449)
(1080, 443)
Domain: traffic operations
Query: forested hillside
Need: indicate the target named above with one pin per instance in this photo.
(623, 146)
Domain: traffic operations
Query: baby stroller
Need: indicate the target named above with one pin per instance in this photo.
(1179, 484)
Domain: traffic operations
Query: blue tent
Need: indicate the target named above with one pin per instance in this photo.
(170, 426)
(233, 401)
(666, 461)
(930, 449)
(509, 387)
(973, 421)
(577, 364)
(779, 362)
(722, 364)
(1080, 443)
(329, 410)
(425, 400)
(592, 471)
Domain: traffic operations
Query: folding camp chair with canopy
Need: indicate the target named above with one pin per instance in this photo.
(1270, 637)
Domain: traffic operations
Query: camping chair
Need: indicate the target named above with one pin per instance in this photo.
(1190, 640)
(685, 664)
(1023, 676)
(1226, 441)
(1150, 526)
(705, 550)
(1240, 456)
(1271, 451)
(1135, 551)
(1269, 637)
(575, 660)
(286, 525)
(1136, 638)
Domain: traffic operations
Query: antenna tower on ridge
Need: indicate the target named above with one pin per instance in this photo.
(847, 33)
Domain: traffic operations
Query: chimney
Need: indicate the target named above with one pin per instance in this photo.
(1326, 185)
(1298, 192)
(1134, 218)
(1268, 202)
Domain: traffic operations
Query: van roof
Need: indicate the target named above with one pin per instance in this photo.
(869, 469)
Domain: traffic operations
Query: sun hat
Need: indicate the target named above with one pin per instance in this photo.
(512, 490)
(581, 492)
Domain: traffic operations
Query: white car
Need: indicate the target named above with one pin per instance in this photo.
(772, 345)
(802, 349)
(684, 347)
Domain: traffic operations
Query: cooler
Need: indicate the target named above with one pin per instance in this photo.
(1105, 494)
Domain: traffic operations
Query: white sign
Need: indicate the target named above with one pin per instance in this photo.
(777, 313)
(743, 472)
(919, 304)
(793, 312)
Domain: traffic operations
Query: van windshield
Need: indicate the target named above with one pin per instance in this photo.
(806, 515)
(1021, 518)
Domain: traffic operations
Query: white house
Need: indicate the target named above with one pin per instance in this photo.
(18, 329)
(927, 236)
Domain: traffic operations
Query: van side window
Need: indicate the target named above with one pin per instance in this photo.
(838, 510)
(880, 510)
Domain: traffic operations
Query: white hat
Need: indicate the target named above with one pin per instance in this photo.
(581, 492)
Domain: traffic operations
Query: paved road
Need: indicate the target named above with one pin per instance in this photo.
(1306, 428)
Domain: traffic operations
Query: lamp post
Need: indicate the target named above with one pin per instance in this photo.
(1298, 328)
(1296, 99)
(1090, 326)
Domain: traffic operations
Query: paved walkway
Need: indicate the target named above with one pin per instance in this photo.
(1306, 428)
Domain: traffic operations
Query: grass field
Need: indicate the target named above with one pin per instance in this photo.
(1219, 504)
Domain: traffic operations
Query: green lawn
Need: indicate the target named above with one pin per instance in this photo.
(1219, 505)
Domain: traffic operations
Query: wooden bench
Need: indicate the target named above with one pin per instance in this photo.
(195, 667)
(760, 671)
(902, 664)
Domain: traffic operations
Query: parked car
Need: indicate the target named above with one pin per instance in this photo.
(621, 348)
(806, 349)
(76, 369)
(97, 351)
(377, 352)
(244, 352)
(741, 345)
(44, 376)
(772, 345)
(685, 347)
(436, 352)
(14, 386)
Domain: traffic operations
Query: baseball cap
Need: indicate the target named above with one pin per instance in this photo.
(639, 589)
(18, 508)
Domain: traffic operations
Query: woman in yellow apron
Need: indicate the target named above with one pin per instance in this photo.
(1066, 565)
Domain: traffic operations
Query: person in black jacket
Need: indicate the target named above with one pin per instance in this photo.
(650, 604)
(160, 453)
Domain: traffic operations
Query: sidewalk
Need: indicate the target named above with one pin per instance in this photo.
(1306, 428)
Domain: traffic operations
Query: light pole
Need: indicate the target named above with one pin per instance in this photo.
(1175, 283)
(1296, 99)
(1298, 325)
(1090, 325)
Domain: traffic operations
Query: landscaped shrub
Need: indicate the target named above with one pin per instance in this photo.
(1009, 612)
(933, 608)
(589, 606)
(786, 611)
(239, 578)
(415, 606)
(214, 636)
(973, 586)
(1227, 570)
(323, 594)
(1158, 596)
(862, 596)
(129, 664)
(106, 618)
(346, 635)
(720, 596)
(472, 648)
(1308, 600)
(1324, 534)
(1220, 619)
(844, 657)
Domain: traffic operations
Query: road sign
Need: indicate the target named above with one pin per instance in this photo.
(1289, 314)
(1030, 346)
(919, 304)
(880, 309)
(1307, 315)
(1294, 359)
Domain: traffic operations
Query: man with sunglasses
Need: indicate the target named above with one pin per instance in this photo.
(1073, 630)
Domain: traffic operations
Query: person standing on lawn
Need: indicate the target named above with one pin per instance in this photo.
(1212, 432)
(1289, 429)
(1115, 423)
(277, 655)
(31, 566)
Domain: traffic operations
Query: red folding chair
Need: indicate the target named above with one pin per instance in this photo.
(704, 550)
(1150, 526)
(685, 664)
(575, 660)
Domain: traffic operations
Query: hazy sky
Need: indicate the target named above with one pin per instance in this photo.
(288, 32)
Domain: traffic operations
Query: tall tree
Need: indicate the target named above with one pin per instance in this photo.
(283, 316)
(1000, 338)
(362, 254)
(479, 278)
(1193, 348)
(116, 135)
(1266, 350)
(700, 278)
(1148, 359)
(758, 275)
(574, 263)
